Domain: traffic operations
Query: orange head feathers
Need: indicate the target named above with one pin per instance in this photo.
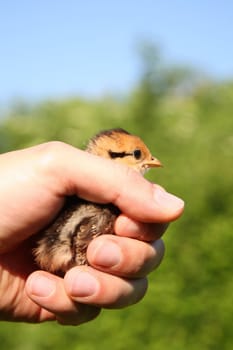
(123, 147)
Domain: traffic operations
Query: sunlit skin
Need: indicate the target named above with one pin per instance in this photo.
(34, 184)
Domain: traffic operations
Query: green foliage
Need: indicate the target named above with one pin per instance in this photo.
(189, 303)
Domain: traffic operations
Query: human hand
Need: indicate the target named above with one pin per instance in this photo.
(34, 183)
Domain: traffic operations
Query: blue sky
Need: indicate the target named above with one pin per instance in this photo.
(55, 49)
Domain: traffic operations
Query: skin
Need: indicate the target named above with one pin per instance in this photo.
(34, 183)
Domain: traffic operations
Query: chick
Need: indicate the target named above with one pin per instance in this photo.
(63, 244)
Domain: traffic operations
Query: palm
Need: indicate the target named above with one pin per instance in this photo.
(15, 267)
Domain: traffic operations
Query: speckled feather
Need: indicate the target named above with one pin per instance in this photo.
(64, 243)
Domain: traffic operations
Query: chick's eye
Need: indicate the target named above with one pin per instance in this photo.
(137, 154)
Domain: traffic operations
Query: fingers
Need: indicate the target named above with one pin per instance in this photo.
(124, 256)
(107, 283)
(125, 226)
(78, 298)
(90, 286)
(48, 292)
(94, 178)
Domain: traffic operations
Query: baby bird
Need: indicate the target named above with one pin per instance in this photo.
(63, 244)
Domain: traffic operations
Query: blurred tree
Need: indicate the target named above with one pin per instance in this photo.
(157, 80)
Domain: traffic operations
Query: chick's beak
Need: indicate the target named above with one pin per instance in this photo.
(153, 163)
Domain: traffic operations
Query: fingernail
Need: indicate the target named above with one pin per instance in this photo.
(84, 285)
(167, 199)
(41, 286)
(107, 254)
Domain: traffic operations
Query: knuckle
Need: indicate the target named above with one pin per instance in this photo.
(159, 247)
(124, 297)
(159, 251)
(150, 258)
(151, 232)
(140, 289)
(49, 152)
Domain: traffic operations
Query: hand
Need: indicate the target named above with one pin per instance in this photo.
(34, 183)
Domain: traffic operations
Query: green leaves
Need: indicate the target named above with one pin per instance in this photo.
(189, 302)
